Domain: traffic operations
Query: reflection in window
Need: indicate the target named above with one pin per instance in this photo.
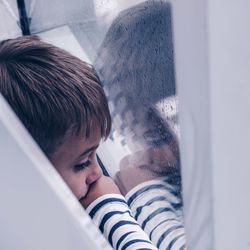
(136, 66)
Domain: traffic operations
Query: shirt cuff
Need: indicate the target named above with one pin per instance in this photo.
(103, 198)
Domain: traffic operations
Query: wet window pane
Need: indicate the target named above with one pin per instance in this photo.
(136, 65)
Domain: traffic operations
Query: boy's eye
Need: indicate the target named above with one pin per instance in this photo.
(81, 166)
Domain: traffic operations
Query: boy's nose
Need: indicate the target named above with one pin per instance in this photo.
(95, 172)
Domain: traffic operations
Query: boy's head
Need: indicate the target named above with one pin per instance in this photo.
(60, 101)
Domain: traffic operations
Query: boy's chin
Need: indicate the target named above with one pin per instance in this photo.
(81, 199)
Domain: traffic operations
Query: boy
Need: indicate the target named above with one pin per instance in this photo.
(60, 101)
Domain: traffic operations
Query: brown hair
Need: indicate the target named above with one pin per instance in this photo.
(53, 93)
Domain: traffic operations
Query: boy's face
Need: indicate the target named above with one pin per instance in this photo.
(76, 162)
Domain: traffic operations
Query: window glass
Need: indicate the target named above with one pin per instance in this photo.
(136, 65)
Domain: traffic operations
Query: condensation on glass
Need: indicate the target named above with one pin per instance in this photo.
(136, 66)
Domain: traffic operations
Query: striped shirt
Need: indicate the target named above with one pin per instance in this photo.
(152, 213)
(113, 217)
(157, 207)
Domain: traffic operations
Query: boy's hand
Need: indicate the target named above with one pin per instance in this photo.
(104, 185)
(159, 160)
(147, 164)
(129, 177)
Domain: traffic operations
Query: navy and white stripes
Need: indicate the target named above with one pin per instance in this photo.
(158, 209)
(112, 214)
(158, 218)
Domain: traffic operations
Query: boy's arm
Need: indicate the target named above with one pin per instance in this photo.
(110, 212)
(157, 206)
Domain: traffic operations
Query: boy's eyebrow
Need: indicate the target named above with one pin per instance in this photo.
(89, 150)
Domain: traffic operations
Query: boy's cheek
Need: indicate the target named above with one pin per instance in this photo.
(76, 184)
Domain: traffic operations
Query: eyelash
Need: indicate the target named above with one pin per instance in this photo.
(82, 166)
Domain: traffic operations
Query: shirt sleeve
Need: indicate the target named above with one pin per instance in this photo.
(157, 206)
(114, 219)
